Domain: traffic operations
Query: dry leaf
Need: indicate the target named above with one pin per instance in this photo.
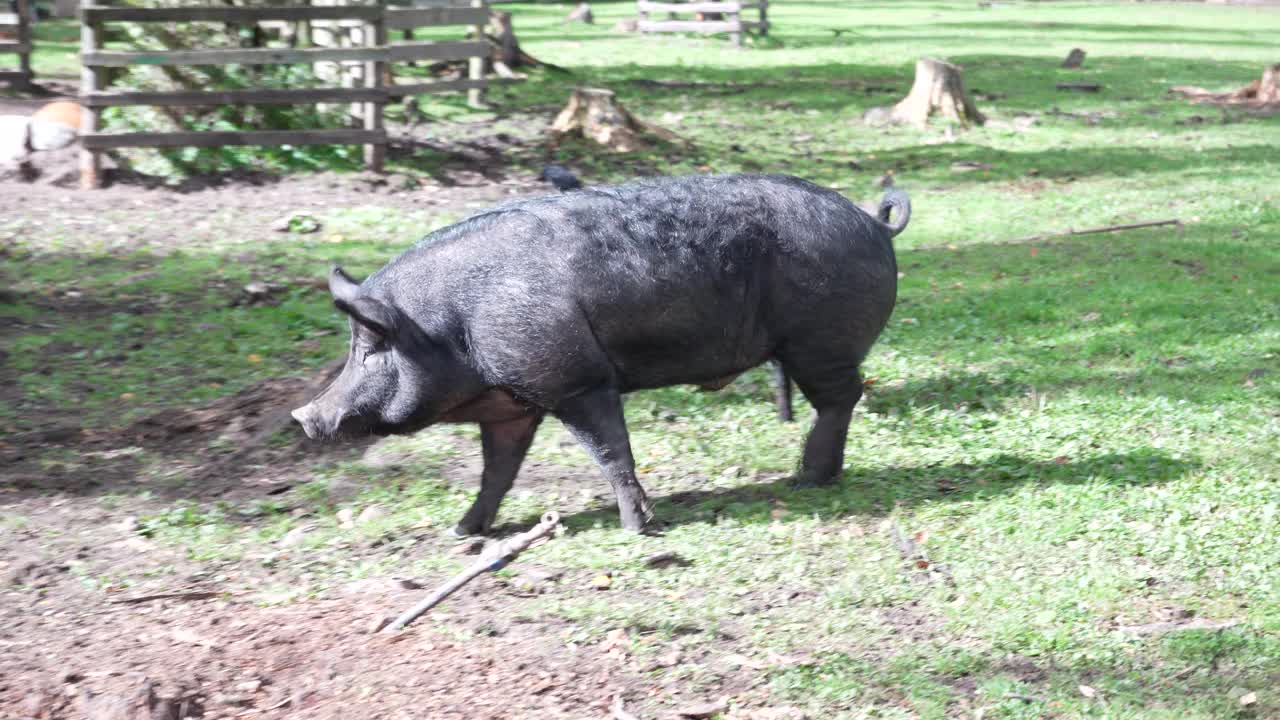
(602, 582)
(1249, 698)
(1087, 691)
(615, 638)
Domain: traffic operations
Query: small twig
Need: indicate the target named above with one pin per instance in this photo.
(617, 712)
(1159, 628)
(1025, 698)
(194, 595)
(495, 559)
(1094, 231)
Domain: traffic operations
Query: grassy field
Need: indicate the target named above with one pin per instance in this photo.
(1083, 434)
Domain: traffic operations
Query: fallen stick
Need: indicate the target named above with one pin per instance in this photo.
(1079, 86)
(1093, 231)
(195, 595)
(491, 560)
(1159, 628)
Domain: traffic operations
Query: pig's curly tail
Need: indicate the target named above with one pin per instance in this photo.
(895, 200)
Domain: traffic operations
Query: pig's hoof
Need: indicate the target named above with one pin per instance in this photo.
(465, 531)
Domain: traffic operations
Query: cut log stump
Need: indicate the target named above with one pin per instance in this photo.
(596, 114)
(582, 14)
(938, 88)
(1259, 92)
(1269, 87)
(503, 35)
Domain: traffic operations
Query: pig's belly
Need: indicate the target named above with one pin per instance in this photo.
(651, 362)
(688, 328)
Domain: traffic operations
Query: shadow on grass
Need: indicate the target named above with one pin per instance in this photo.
(878, 491)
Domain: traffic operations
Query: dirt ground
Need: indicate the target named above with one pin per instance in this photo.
(73, 648)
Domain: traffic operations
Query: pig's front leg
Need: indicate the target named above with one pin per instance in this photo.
(504, 444)
(595, 419)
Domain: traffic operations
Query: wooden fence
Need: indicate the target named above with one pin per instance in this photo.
(376, 54)
(713, 16)
(15, 38)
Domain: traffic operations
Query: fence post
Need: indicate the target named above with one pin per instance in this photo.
(475, 65)
(91, 79)
(25, 40)
(374, 72)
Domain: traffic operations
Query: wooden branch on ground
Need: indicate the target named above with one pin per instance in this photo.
(1025, 698)
(1104, 229)
(1160, 628)
(1079, 87)
(193, 595)
(495, 559)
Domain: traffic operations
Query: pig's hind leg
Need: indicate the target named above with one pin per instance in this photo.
(595, 418)
(833, 392)
(504, 445)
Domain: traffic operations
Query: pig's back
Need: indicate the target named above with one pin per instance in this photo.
(669, 281)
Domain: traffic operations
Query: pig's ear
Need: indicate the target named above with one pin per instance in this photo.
(371, 313)
(374, 315)
(342, 287)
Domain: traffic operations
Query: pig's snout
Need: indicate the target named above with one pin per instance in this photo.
(305, 416)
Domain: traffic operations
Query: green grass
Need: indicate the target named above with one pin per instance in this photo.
(1086, 428)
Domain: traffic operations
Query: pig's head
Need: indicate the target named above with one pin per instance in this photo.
(395, 379)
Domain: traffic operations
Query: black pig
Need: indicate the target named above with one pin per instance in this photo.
(560, 304)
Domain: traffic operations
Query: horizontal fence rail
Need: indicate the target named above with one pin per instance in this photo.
(101, 141)
(242, 15)
(375, 53)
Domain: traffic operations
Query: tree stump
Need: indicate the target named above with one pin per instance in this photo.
(582, 14)
(1075, 59)
(507, 49)
(1269, 87)
(938, 87)
(1259, 92)
(597, 115)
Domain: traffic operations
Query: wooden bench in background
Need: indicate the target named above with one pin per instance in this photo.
(708, 17)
